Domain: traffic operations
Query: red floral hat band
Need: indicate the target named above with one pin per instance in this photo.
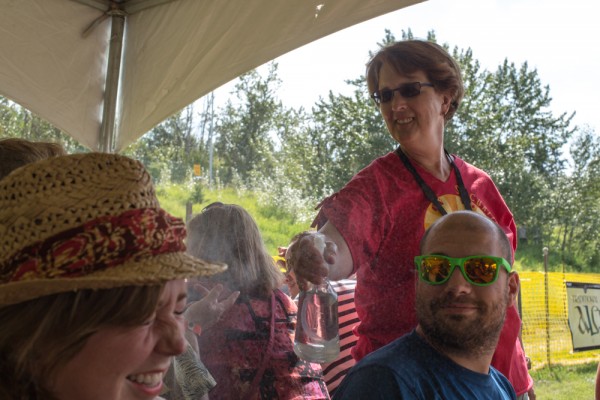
(98, 244)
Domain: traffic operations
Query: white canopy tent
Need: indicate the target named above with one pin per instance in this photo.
(106, 72)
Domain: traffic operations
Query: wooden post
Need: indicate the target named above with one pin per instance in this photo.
(546, 294)
(188, 211)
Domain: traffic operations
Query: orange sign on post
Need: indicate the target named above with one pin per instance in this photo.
(197, 170)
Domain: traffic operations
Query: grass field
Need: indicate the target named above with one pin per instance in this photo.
(559, 382)
(276, 227)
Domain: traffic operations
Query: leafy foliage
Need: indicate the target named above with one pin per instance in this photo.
(16, 121)
(577, 219)
(351, 134)
(170, 149)
(504, 126)
(244, 130)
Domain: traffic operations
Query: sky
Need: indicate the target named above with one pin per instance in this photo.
(560, 39)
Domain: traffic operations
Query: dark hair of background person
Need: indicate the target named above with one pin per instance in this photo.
(15, 153)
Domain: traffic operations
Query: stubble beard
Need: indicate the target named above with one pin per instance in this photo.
(460, 335)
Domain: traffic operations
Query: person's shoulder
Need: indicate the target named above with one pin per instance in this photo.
(469, 168)
(377, 383)
(408, 354)
(398, 354)
(502, 382)
(385, 162)
(378, 174)
(382, 374)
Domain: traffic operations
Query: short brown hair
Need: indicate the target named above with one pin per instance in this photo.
(15, 153)
(410, 56)
(41, 335)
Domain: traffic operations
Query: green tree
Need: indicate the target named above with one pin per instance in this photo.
(206, 138)
(170, 149)
(577, 193)
(245, 129)
(505, 127)
(349, 133)
(18, 122)
(298, 159)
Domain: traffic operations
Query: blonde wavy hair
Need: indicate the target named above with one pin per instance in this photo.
(227, 233)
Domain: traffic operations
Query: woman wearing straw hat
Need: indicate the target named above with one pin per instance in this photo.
(92, 288)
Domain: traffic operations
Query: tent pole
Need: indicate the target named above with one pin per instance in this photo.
(108, 128)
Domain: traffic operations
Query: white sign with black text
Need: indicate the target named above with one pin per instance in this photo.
(584, 315)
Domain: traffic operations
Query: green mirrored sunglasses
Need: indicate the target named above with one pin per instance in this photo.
(477, 270)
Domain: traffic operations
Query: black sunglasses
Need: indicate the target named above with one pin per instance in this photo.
(406, 90)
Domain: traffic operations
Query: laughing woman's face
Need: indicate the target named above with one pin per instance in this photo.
(127, 363)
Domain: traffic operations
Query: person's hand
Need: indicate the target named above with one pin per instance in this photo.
(207, 311)
(280, 261)
(531, 394)
(307, 261)
(281, 251)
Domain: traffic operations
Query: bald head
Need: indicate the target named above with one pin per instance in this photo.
(461, 319)
(466, 226)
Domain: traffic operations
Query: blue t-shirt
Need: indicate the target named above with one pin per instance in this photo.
(409, 368)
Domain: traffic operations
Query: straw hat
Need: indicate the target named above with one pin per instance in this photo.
(87, 221)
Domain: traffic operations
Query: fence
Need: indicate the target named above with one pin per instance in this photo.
(546, 335)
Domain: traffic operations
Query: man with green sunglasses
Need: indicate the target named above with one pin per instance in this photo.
(465, 285)
(479, 270)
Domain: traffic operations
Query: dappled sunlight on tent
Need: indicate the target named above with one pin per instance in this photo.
(173, 52)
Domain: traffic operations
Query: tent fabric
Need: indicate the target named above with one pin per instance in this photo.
(174, 52)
